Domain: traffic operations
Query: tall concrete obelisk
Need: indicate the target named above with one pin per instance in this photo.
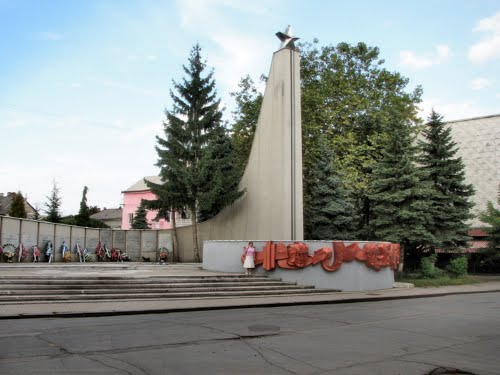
(272, 207)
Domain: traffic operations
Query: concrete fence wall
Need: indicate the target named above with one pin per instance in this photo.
(136, 243)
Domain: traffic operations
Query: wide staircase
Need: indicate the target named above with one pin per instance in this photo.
(98, 284)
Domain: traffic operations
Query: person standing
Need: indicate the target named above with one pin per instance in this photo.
(249, 254)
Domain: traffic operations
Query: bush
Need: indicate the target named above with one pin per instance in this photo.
(428, 267)
(458, 267)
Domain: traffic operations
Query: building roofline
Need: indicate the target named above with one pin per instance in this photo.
(472, 118)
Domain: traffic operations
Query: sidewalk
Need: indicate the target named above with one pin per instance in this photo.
(94, 308)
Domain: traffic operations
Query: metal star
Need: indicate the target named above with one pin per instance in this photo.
(287, 41)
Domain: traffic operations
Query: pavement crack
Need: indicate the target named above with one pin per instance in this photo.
(263, 357)
(135, 368)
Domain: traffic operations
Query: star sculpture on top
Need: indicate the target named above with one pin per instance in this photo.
(287, 40)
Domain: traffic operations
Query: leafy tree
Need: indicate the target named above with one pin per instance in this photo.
(490, 261)
(330, 213)
(83, 217)
(348, 96)
(452, 205)
(191, 126)
(248, 102)
(140, 221)
(401, 195)
(17, 207)
(53, 205)
(219, 174)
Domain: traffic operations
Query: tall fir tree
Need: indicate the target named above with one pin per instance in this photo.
(401, 196)
(53, 205)
(452, 205)
(17, 207)
(189, 129)
(83, 217)
(140, 221)
(219, 174)
(330, 214)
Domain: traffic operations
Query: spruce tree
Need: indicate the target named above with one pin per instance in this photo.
(331, 214)
(53, 205)
(452, 206)
(219, 174)
(140, 221)
(401, 195)
(17, 207)
(189, 129)
(83, 217)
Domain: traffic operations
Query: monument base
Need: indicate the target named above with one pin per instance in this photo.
(347, 266)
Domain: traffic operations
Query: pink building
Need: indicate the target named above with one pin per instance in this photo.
(132, 199)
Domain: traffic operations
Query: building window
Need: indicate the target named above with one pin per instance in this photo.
(130, 218)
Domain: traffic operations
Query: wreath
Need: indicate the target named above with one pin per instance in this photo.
(9, 251)
(163, 253)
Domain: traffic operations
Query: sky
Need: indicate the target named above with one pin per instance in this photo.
(84, 83)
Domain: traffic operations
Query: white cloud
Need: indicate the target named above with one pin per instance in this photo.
(196, 13)
(16, 124)
(480, 83)
(453, 110)
(488, 48)
(415, 62)
(48, 35)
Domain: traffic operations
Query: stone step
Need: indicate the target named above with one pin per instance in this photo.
(167, 295)
(111, 279)
(165, 289)
(130, 285)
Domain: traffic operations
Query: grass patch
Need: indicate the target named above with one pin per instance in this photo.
(421, 282)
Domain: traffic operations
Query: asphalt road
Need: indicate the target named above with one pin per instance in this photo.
(411, 336)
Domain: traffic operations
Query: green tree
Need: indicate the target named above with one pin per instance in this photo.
(219, 174)
(348, 96)
(452, 206)
(490, 261)
(53, 205)
(17, 207)
(140, 221)
(83, 217)
(330, 213)
(401, 197)
(248, 102)
(189, 129)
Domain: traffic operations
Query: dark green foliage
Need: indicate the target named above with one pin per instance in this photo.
(401, 198)
(348, 96)
(220, 176)
(428, 267)
(83, 217)
(458, 267)
(140, 221)
(490, 258)
(451, 207)
(245, 117)
(17, 207)
(53, 205)
(330, 215)
(192, 125)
